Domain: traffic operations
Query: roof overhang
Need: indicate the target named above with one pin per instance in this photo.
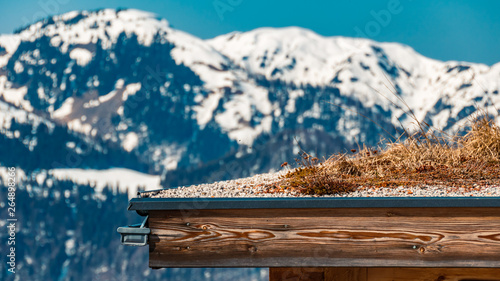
(142, 205)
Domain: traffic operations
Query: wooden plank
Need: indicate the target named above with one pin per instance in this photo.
(439, 274)
(359, 237)
(382, 274)
(297, 273)
(346, 274)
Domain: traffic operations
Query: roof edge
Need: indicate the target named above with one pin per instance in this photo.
(147, 204)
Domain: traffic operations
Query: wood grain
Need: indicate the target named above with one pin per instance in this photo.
(382, 274)
(297, 273)
(343, 237)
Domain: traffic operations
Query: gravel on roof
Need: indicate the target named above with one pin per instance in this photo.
(262, 185)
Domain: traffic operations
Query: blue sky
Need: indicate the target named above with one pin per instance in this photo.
(444, 30)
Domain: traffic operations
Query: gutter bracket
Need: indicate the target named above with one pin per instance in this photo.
(135, 235)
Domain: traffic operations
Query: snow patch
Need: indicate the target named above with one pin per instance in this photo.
(130, 142)
(119, 83)
(18, 67)
(65, 109)
(14, 96)
(107, 97)
(41, 93)
(204, 112)
(10, 44)
(70, 247)
(169, 155)
(4, 174)
(124, 179)
(293, 95)
(91, 104)
(314, 112)
(130, 90)
(68, 16)
(77, 126)
(40, 178)
(81, 56)
(8, 112)
(203, 59)
(240, 110)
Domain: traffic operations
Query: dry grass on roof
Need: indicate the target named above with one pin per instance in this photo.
(424, 158)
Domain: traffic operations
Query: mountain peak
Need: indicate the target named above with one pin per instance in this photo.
(292, 54)
(86, 27)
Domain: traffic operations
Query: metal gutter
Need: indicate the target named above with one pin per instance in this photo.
(146, 204)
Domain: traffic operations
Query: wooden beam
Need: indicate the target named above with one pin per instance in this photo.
(297, 273)
(340, 237)
(382, 274)
(346, 274)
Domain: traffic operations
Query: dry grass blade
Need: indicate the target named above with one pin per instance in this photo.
(473, 158)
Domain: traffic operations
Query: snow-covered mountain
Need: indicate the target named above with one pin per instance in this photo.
(360, 68)
(179, 103)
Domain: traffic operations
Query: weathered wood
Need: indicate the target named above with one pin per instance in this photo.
(439, 274)
(345, 274)
(359, 237)
(317, 274)
(382, 274)
(297, 273)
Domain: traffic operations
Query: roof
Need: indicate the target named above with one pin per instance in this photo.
(147, 204)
